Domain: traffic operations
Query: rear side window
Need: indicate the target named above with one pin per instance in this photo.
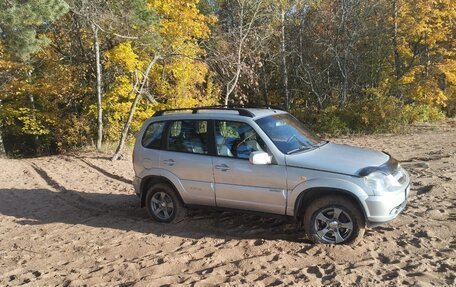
(153, 135)
(188, 136)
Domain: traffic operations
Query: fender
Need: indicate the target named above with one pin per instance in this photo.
(166, 176)
(325, 184)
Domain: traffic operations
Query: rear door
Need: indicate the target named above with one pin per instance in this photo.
(186, 155)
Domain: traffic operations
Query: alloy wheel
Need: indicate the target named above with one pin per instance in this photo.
(333, 225)
(162, 205)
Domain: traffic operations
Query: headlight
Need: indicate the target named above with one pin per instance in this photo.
(380, 182)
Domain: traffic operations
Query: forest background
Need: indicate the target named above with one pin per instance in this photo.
(78, 73)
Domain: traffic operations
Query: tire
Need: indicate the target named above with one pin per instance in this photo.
(334, 220)
(163, 204)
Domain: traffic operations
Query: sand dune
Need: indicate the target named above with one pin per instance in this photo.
(73, 220)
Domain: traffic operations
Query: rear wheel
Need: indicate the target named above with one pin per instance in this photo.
(334, 220)
(164, 205)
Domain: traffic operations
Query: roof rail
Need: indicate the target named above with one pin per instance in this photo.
(241, 110)
(262, 107)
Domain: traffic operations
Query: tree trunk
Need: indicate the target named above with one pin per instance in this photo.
(397, 59)
(32, 105)
(243, 34)
(344, 69)
(264, 86)
(36, 144)
(428, 57)
(233, 82)
(33, 112)
(127, 124)
(2, 146)
(230, 88)
(284, 61)
(96, 44)
(345, 76)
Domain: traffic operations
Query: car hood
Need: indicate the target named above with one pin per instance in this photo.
(338, 158)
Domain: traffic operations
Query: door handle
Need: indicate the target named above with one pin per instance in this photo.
(169, 162)
(222, 167)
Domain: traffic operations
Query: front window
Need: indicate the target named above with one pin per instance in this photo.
(288, 134)
(237, 139)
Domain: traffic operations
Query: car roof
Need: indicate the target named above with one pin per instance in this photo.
(216, 112)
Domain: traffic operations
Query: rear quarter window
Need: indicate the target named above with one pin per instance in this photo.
(153, 135)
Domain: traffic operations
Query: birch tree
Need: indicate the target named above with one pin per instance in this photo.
(179, 30)
(91, 13)
(139, 89)
(236, 41)
(2, 145)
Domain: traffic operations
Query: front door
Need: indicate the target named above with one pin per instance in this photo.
(240, 184)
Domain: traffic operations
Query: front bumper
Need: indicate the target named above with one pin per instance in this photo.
(383, 208)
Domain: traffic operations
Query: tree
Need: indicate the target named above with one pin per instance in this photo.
(91, 13)
(284, 58)
(139, 90)
(422, 49)
(175, 79)
(119, 19)
(236, 42)
(242, 32)
(282, 10)
(99, 70)
(22, 24)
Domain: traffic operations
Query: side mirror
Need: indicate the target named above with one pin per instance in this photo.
(259, 157)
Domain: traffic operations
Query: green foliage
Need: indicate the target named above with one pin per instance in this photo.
(373, 114)
(330, 121)
(422, 113)
(20, 22)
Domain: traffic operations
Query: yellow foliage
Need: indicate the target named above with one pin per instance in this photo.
(123, 55)
(122, 88)
(177, 81)
(181, 21)
(451, 105)
(448, 68)
(425, 41)
(427, 92)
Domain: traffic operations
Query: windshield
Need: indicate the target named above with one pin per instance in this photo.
(288, 134)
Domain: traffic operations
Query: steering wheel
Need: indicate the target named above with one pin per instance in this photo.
(237, 143)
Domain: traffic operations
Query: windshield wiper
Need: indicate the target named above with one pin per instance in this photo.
(323, 142)
(301, 148)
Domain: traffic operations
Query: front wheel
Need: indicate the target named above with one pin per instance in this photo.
(164, 205)
(334, 220)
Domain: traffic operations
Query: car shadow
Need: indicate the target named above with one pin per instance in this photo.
(122, 212)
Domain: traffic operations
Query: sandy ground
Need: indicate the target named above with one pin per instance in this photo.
(73, 220)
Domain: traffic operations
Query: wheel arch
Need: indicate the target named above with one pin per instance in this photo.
(151, 180)
(306, 197)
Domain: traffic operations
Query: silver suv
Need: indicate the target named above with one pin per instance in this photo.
(264, 160)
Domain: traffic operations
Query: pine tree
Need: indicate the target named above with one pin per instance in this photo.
(22, 24)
